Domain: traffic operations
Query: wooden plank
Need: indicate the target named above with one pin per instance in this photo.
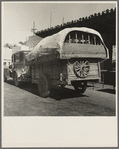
(93, 67)
(93, 73)
(83, 48)
(84, 79)
(69, 56)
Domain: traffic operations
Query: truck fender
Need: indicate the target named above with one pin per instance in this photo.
(18, 72)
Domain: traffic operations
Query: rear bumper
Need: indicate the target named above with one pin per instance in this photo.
(83, 80)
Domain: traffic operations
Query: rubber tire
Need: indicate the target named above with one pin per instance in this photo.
(62, 86)
(15, 79)
(81, 88)
(43, 86)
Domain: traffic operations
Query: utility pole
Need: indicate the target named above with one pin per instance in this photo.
(50, 15)
(33, 29)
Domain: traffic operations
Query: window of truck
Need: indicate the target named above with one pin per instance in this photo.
(17, 57)
(82, 38)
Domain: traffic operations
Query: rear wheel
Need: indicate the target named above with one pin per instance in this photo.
(15, 78)
(81, 88)
(62, 86)
(44, 86)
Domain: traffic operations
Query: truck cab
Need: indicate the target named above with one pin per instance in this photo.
(20, 69)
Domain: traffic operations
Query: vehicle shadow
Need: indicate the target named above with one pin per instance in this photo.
(32, 88)
(106, 90)
(57, 93)
(10, 81)
(111, 91)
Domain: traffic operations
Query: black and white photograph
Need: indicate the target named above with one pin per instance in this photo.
(59, 73)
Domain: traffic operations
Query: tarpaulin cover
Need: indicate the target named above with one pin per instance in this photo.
(54, 43)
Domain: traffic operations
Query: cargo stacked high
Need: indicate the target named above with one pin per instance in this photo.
(70, 57)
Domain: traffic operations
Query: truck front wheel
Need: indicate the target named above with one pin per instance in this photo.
(15, 79)
(43, 86)
(80, 88)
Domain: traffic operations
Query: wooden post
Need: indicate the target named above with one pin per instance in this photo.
(69, 38)
(94, 40)
(82, 36)
(76, 38)
(89, 39)
(103, 80)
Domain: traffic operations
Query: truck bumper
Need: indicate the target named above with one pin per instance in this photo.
(83, 80)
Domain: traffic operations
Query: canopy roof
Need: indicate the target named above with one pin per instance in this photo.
(55, 42)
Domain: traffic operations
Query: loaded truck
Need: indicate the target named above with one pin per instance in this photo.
(69, 57)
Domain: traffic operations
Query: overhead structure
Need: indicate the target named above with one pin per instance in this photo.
(78, 37)
(104, 23)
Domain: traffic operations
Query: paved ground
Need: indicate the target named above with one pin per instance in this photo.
(25, 101)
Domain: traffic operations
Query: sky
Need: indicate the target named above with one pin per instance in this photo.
(18, 17)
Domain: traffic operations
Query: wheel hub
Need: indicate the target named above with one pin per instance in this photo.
(81, 69)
